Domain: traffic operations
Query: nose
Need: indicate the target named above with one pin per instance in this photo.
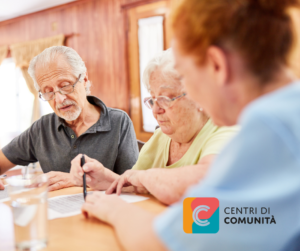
(156, 109)
(59, 98)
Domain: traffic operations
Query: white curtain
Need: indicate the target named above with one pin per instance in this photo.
(23, 53)
(151, 42)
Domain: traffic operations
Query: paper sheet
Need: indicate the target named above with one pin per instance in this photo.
(70, 205)
(24, 215)
(4, 194)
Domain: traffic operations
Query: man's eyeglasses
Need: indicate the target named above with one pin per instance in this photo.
(47, 96)
(162, 101)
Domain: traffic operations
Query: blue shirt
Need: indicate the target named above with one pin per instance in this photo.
(259, 168)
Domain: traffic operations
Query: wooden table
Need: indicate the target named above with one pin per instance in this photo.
(72, 233)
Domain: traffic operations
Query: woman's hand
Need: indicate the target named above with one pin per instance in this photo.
(98, 177)
(132, 224)
(102, 206)
(129, 178)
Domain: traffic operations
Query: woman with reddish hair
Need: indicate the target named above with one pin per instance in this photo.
(233, 56)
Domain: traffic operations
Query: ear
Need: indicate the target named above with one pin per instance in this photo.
(85, 79)
(219, 65)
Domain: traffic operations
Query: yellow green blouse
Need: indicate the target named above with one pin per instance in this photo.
(210, 140)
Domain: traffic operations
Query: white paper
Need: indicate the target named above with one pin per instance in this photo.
(24, 215)
(70, 205)
(4, 196)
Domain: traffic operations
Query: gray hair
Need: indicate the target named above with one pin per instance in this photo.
(165, 62)
(49, 54)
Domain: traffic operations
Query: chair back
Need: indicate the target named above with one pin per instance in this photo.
(140, 144)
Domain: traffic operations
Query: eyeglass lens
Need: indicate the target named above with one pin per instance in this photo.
(161, 101)
(64, 90)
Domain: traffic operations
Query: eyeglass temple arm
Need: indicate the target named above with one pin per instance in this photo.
(182, 95)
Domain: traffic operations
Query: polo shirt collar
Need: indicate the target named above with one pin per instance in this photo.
(102, 125)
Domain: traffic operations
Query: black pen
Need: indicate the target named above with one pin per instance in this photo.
(83, 177)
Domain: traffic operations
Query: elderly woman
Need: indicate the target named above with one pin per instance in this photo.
(234, 57)
(186, 137)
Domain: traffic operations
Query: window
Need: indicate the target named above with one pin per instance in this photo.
(151, 42)
(147, 35)
(16, 102)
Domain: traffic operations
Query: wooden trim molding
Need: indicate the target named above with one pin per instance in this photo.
(136, 4)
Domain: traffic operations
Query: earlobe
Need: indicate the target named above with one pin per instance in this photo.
(86, 78)
(219, 64)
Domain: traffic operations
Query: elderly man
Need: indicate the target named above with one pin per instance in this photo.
(80, 124)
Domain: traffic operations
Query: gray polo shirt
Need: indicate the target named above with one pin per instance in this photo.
(111, 140)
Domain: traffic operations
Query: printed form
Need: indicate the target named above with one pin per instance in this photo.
(70, 205)
(4, 196)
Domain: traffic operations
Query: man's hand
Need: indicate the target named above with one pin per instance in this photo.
(1, 185)
(59, 180)
(97, 176)
(129, 178)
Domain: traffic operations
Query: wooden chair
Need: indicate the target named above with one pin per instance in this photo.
(140, 144)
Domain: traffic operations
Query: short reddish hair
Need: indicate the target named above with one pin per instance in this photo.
(260, 30)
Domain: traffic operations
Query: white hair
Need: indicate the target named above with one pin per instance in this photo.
(165, 62)
(50, 54)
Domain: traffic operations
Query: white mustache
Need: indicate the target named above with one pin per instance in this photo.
(66, 103)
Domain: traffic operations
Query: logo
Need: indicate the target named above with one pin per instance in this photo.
(201, 215)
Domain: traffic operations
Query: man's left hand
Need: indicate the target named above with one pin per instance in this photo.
(59, 180)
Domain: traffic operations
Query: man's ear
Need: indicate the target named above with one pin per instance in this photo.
(219, 65)
(86, 78)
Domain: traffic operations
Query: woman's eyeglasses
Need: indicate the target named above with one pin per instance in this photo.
(162, 101)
